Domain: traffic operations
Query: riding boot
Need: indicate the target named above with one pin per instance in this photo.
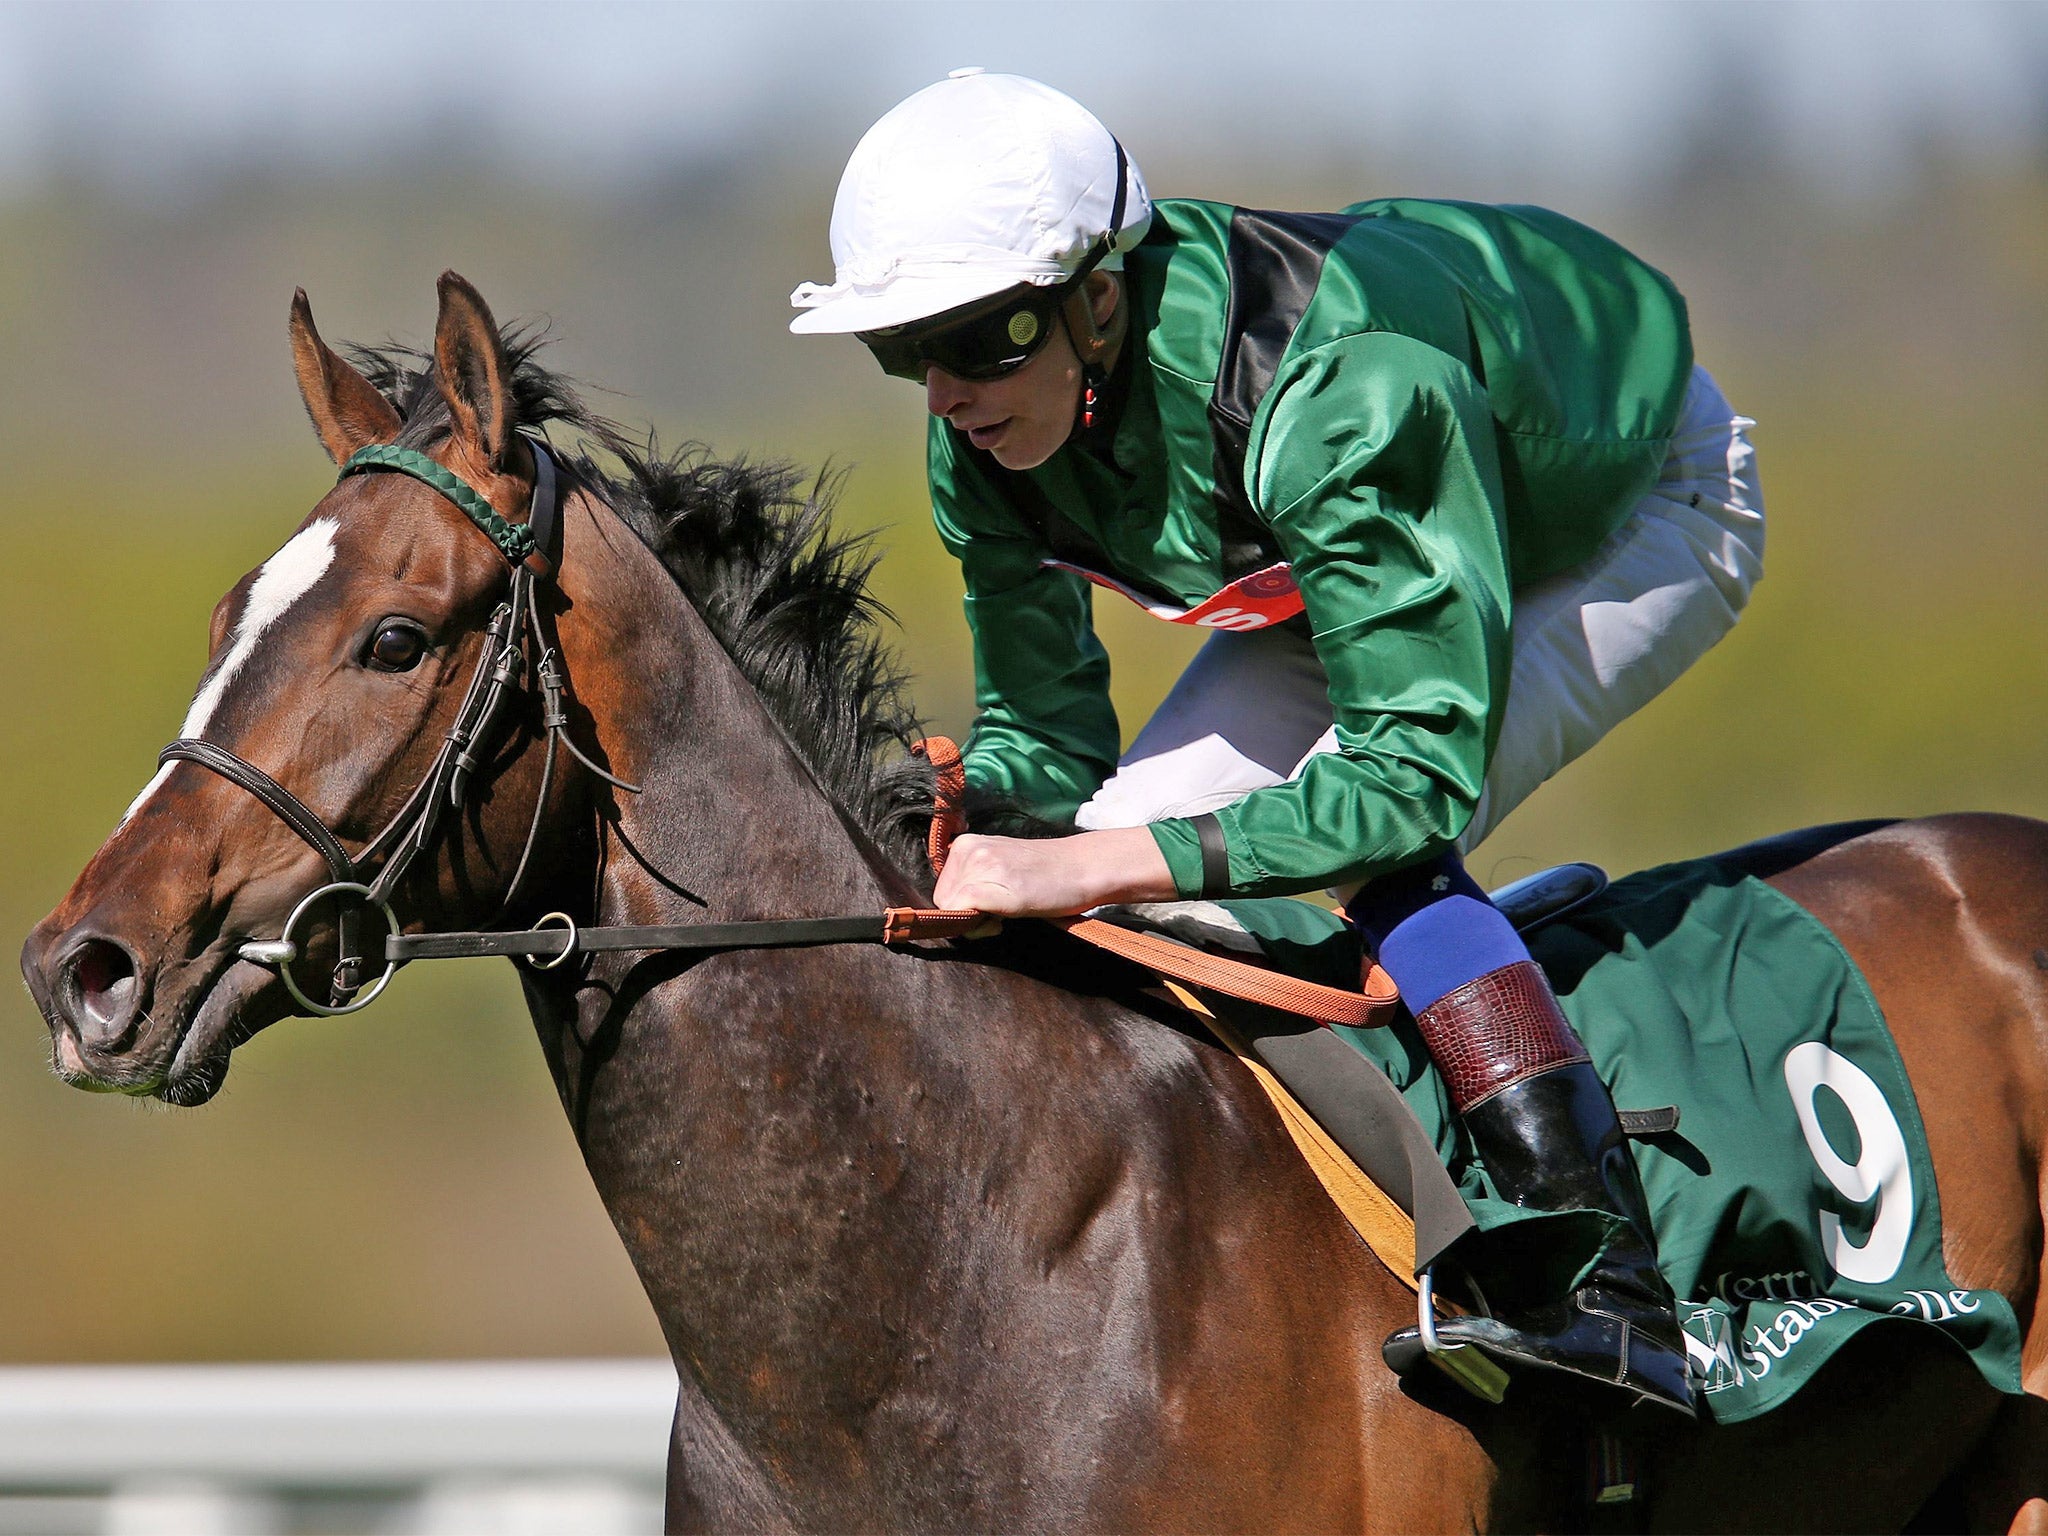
(1542, 1121)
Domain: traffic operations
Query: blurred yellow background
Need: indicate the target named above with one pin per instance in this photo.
(1871, 285)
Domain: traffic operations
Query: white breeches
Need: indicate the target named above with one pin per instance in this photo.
(1590, 646)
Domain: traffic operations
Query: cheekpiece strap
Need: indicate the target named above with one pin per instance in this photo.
(514, 539)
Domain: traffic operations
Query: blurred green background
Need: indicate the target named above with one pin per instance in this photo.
(1854, 198)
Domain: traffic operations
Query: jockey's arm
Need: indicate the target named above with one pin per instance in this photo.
(1374, 460)
(1045, 732)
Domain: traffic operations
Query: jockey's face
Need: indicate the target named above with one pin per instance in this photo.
(1022, 418)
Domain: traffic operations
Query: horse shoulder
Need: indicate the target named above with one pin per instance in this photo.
(1236, 1311)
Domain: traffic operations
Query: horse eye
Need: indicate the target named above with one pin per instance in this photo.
(397, 648)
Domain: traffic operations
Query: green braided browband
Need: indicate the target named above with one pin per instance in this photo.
(515, 539)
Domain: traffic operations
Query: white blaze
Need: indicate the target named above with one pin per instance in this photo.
(285, 578)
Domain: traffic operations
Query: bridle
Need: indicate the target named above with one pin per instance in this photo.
(532, 551)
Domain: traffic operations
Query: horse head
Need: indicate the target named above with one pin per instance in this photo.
(337, 670)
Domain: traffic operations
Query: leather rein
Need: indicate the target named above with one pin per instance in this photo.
(532, 551)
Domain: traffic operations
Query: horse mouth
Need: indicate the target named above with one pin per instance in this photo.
(219, 1012)
(223, 1017)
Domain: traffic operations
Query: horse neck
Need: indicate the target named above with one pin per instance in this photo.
(748, 1116)
(732, 823)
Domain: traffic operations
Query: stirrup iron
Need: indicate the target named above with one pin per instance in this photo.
(1473, 1369)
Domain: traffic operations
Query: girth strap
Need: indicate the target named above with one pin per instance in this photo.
(290, 809)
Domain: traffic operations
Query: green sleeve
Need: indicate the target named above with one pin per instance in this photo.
(1044, 731)
(1373, 458)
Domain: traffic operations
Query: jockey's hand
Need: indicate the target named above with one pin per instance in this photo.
(1053, 876)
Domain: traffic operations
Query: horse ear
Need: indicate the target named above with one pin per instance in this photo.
(472, 371)
(346, 408)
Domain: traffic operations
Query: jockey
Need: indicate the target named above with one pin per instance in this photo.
(1444, 484)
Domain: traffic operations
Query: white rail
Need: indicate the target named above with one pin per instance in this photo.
(557, 1446)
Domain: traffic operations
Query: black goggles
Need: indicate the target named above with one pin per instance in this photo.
(983, 340)
(992, 337)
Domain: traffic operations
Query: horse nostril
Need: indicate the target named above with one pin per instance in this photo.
(102, 986)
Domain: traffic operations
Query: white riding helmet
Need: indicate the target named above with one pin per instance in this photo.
(974, 185)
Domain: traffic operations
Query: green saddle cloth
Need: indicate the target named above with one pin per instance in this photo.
(1795, 1204)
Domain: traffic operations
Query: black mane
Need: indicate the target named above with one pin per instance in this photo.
(753, 549)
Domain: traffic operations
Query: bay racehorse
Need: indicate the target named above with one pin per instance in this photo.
(935, 1243)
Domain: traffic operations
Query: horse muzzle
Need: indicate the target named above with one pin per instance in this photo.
(91, 989)
(120, 1024)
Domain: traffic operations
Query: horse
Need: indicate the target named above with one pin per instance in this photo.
(935, 1242)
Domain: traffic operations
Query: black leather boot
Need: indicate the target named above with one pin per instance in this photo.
(1546, 1128)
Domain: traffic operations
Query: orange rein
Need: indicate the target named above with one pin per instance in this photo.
(1370, 1008)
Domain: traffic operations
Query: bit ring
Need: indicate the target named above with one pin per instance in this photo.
(286, 949)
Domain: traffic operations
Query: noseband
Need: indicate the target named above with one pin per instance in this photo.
(532, 551)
